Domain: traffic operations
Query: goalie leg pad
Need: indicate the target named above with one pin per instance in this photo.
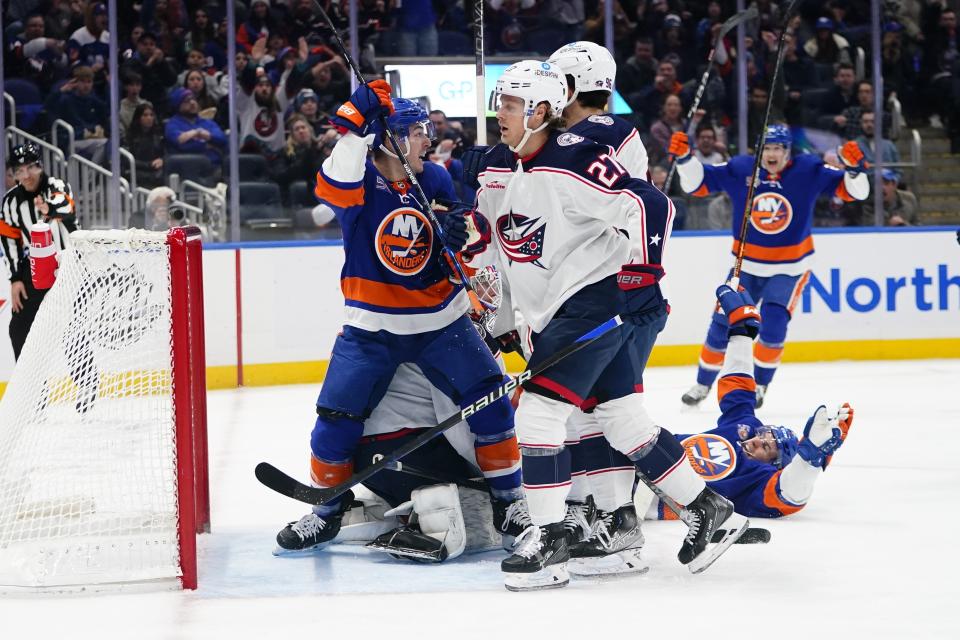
(439, 516)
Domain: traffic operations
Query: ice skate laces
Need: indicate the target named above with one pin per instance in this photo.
(576, 518)
(602, 527)
(693, 520)
(516, 513)
(308, 526)
(529, 543)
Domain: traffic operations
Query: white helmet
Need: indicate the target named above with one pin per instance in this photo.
(533, 82)
(591, 65)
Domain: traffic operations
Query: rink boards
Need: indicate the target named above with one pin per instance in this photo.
(876, 294)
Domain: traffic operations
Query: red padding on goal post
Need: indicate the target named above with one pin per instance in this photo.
(189, 394)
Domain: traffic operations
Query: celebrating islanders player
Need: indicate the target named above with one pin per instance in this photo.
(400, 305)
(763, 469)
(779, 246)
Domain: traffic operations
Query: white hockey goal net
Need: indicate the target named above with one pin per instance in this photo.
(103, 455)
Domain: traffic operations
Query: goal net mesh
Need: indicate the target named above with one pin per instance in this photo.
(88, 478)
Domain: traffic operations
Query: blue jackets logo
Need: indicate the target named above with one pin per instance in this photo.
(771, 213)
(404, 241)
(710, 455)
(520, 238)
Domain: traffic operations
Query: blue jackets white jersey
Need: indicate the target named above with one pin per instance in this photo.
(778, 238)
(555, 215)
(391, 278)
(620, 134)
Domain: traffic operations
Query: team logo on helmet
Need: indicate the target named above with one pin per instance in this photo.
(599, 119)
(710, 455)
(404, 241)
(771, 213)
(567, 139)
(521, 238)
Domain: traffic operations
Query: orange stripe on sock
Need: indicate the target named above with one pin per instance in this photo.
(797, 292)
(726, 384)
(767, 355)
(711, 357)
(499, 455)
(772, 499)
(329, 474)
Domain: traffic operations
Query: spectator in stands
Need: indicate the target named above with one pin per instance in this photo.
(159, 213)
(89, 45)
(196, 61)
(847, 124)
(129, 47)
(567, 16)
(638, 72)
(417, 27)
(64, 17)
(196, 82)
(671, 119)
(673, 41)
(259, 24)
(756, 109)
(303, 152)
(261, 118)
(33, 56)
(841, 95)
(506, 21)
(132, 84)
(888, 150)
(623, 26)
(158, 75)
(799, 75)
(941, 69)
(168, 20)
(709, 149)
(76, 104)
(652, 96)
(144, 139)
(307, 105)
(186, 132)
(897, 65)
(448, 130)
(827, 47)
(326, 73)
(306, 22)
(706, 28)
(202, 33)
(900, 207)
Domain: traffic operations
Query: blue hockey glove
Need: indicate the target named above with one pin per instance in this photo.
(742, 315)
(454, 227)
(473, 159)
(822, 436)
(367, 103)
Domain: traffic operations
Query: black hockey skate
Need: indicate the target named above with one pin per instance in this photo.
(613, 549)
(708, 514)
(579, 520)
(409, 543)
(695, 395)
(312, 532)
(539, 560)
(511, 519)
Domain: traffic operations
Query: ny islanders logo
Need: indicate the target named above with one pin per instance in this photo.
(266, 123)
(521, 238)
(404, 241)
(771, 213)
(710, 455)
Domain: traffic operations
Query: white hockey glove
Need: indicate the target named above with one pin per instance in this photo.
(823, 435)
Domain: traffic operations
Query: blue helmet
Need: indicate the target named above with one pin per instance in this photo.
(779, 134)
(787, 443)
(405, 113)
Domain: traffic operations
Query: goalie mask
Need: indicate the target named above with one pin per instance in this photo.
(405, 114)
(533, 82)
(591, 66)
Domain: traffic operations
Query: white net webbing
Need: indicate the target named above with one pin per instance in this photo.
(87, 441)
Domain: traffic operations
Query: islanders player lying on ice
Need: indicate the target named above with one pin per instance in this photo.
(763, 469)
(400, 306)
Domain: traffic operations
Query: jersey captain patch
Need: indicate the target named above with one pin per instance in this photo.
(771, 213)
(404, 241)
(710, 455)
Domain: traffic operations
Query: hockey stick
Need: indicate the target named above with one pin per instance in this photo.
(725, 28)
(758, 149)
(421, 197)
(280, 482)
(480, 87)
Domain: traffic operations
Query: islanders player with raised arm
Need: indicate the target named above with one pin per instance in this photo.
(763, 469)
(779, 245)
(556, 204)
(400, 305)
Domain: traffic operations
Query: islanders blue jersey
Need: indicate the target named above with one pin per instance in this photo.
(718, 457)
(391, 277)
(781, 216)
(619, 134)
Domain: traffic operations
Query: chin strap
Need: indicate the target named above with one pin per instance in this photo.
(527, 132)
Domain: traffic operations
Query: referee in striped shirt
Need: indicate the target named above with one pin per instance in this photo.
(36, 198)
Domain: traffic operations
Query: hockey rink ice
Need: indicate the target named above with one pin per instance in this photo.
(874, 555)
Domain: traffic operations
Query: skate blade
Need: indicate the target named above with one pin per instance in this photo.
(418, 555)
(552, 577)
(734, 527)
(628, 562)
(280, 552)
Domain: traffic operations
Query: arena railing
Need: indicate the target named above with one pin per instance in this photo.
(11, 109)
(52, 157)
(211, 203)
(70, 133)
(91, 186)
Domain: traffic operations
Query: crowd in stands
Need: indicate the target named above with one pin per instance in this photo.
(173, 111)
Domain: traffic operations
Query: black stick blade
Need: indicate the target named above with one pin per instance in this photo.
(272, 478)
(753, 535)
